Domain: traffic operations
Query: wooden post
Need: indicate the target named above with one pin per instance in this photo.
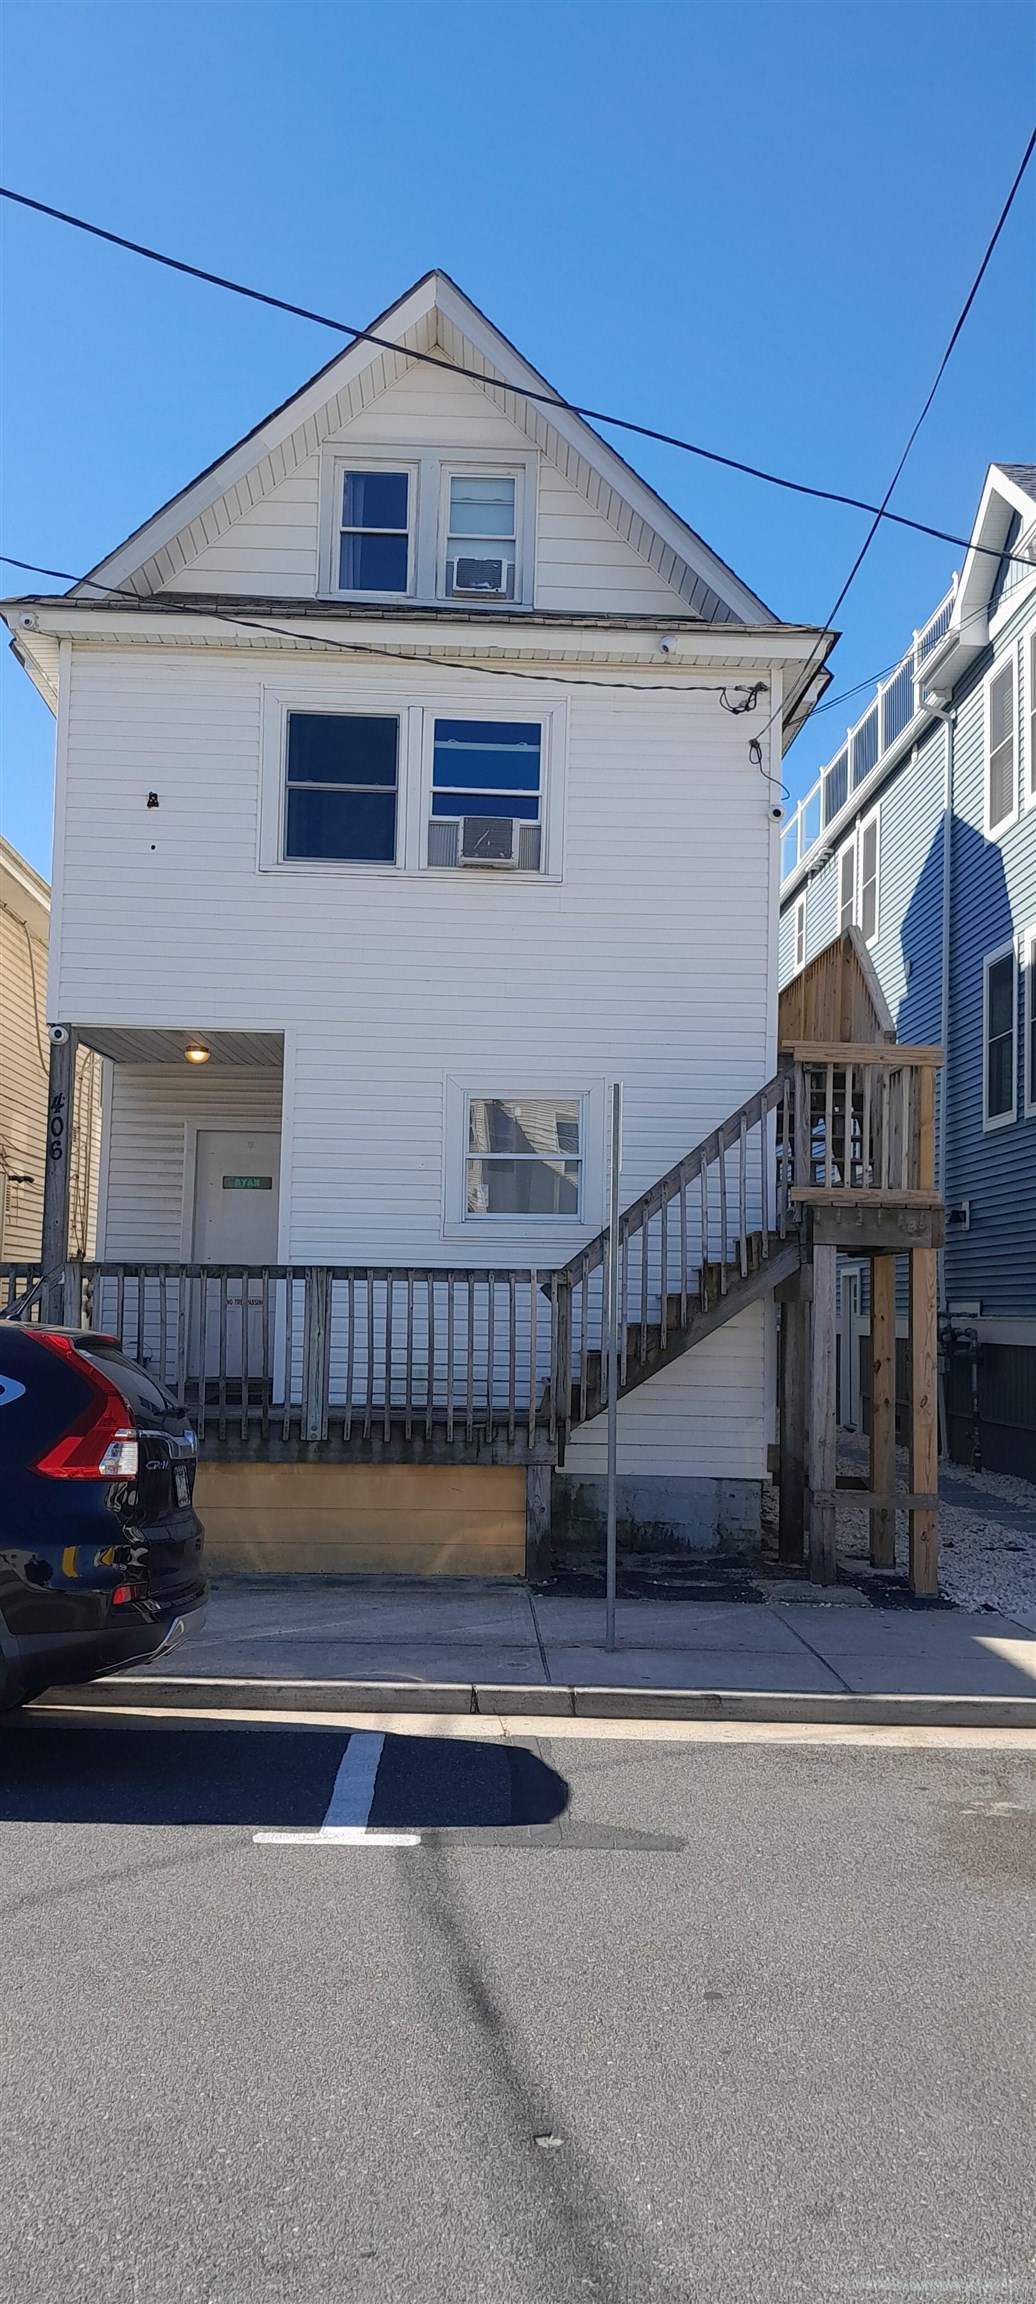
(883, 1409)
(822, 1451)
(57, 1172)
(537, 1521)
(924, 1423)
(794, 1423)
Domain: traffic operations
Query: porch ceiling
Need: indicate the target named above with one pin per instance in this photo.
(137, 1044)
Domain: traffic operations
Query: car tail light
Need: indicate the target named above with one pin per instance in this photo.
(102, 1442)
(124, 1592)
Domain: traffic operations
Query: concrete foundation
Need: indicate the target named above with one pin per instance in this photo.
(661, 1513)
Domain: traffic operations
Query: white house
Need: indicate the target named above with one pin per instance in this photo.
(417, 773)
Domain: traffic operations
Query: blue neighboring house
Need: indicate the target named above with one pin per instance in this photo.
(921, 832)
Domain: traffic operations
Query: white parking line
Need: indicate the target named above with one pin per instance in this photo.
(346, 1824)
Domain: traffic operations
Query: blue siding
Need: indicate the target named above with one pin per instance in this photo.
(993, 899)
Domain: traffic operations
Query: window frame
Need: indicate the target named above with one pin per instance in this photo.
(552, 720)
(332, 482)
(569, 1084)
(848, 848)
(1030, 722)
(1007, 665)
(1006, 1119)
(1028, 942)
(337, 712)
(873, 816)
(520, 469)
(514, 1216)
(799, 922)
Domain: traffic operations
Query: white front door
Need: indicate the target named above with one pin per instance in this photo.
(236, 1201)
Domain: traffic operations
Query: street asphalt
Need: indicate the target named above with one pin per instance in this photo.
(666, 2022)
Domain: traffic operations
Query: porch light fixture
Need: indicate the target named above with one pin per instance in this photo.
(195, 1054)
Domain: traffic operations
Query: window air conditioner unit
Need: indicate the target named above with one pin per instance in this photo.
(489, 840)
(488, 577)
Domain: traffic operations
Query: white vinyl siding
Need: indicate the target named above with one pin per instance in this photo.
(1000, 1037)
(389, 984)
(1001, 755)
(150, 1109)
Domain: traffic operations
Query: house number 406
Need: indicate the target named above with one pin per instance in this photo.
(56, 1128)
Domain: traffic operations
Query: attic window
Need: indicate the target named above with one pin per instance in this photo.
(482, 536)
(374, 545)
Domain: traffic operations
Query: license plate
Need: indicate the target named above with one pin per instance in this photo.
(182, 1483)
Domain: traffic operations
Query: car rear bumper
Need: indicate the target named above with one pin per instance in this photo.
(39, 1660)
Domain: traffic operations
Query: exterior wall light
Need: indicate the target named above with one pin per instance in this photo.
(197, 1055)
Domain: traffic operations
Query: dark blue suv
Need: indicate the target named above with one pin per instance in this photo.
(100, 1544)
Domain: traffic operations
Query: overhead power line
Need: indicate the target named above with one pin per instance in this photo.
(882, 509)
(546, 399)
(724, 689)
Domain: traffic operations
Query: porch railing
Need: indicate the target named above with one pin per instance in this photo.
(864, 1122)
(898, 702)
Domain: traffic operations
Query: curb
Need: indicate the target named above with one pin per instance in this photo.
(545, 1702)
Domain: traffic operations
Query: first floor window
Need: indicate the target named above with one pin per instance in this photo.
(374, 544)
(482, 538)
(1000, 1003)
(524, 1157)
(340, 801)
(1000, 769)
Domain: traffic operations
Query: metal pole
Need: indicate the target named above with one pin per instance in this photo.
(613, 1360)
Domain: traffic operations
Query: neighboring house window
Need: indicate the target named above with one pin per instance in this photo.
(374, 541)
(1001, 795)
(800, 934)
(340, 796)
(523, 1158)
(1032, 717)
(847, 884)
(487, 793)
(482, 536)
(1000, 1057)
(868, 918)
(1030, 1021)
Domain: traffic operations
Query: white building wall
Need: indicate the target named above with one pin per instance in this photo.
(149, 1110)
(582, 563)
(648, 962)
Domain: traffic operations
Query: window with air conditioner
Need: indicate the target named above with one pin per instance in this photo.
(1000, 1003)
(1001, 763)
(481, 515)
(486, 795)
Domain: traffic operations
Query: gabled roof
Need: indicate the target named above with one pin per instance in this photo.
(1006, 520)
(434, 319)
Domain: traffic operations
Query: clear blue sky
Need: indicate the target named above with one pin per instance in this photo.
(750, 224)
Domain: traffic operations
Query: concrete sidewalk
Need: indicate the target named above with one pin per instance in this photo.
(467, 1634)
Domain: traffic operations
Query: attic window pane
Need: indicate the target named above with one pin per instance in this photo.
(374, 551)
(481, 543)
(341, 787)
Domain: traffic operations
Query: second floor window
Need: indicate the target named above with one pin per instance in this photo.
(374, 544)
(486, 793)
(1001, 798)
(340, 798)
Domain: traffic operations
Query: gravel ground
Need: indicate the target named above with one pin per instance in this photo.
(987, 1530)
